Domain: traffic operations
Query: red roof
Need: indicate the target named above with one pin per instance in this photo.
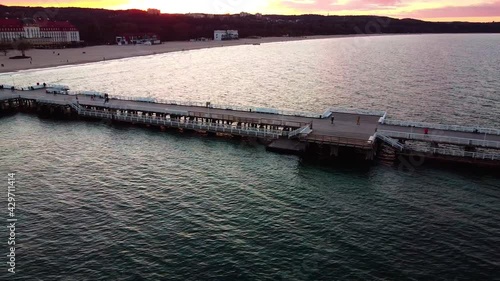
(56, 25)
(45, 25)
(11, 25)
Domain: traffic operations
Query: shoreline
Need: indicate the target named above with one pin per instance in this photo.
(48, 58)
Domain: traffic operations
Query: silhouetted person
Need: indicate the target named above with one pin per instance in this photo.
(359, 119)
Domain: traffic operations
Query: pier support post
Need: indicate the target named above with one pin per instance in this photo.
(334, 150)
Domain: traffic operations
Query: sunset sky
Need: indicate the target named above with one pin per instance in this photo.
(434, 10)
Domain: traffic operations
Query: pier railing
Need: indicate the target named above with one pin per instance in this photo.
(147, 109)
(76, 107)
(185, 124)
(37, 87)
(219, 106)
(86, 93)
(439, 151)
(441, 139)
(302, 130)
(459, 153)
(392, 142)
(358, 111)
(458, 128)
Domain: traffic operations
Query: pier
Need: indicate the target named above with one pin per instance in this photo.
(303, 133)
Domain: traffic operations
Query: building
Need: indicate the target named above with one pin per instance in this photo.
(155, 12)
(220, 35)
(138, 38)
(59, 31)
(38, 31)
(10, 30)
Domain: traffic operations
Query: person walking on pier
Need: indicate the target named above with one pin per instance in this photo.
(333, 118)
(358, 121)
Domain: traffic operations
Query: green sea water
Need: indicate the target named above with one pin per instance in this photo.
(97, 202)
(102, 202)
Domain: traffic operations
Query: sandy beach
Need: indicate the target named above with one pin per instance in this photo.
(43, 58)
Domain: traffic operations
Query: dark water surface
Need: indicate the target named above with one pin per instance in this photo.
(97, 202)
(103, 203)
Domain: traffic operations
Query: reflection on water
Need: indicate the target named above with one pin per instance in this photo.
(434, 78)
(97, 202)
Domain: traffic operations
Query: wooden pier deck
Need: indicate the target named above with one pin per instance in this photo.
(441, 136)
(291, 131)
(344, 130)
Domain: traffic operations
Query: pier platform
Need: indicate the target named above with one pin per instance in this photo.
(352, 130)
(343, 131)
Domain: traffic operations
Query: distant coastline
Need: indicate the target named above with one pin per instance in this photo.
(45, 58)
(177, 29)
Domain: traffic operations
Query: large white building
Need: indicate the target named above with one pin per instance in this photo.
(51, 31)
(59, 31)
(10, 30)
(220, 35)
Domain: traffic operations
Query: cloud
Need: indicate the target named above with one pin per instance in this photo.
(308, 5)
(472, 11)
(63, 3)
(335, 5)
(486, 10)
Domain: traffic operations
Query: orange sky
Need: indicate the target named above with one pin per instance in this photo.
(443, 10)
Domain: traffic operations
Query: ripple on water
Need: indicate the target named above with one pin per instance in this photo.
(110, 203)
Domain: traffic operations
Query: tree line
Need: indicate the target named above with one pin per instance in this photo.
(100, 26)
